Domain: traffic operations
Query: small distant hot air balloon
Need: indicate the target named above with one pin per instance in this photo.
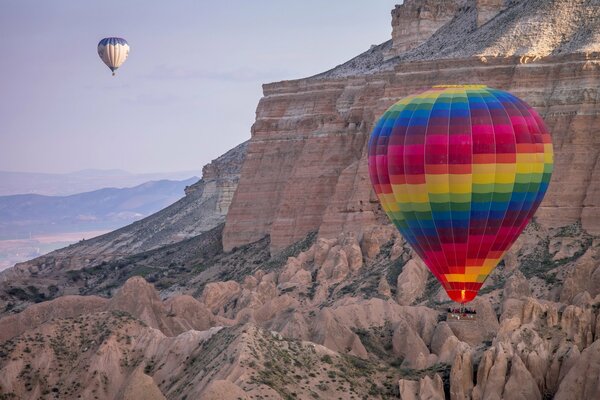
(113, 51)
(460, 170)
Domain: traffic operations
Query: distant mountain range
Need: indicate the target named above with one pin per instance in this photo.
(25, 215)
(79, 182)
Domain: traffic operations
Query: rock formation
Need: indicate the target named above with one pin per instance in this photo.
(414, 21)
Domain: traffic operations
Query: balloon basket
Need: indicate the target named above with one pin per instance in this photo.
(461, 313)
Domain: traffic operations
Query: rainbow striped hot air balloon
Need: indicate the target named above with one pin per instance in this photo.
(113, 51)
(460, 170)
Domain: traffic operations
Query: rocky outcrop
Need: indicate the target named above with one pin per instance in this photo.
(187, 313)
(527, 28)
(461, 377)
(137, 297)
(583, 379)
(414, 21)
(516, 286)
(520, 384)
(410, 347)
(411, 282)
(425, 388)
(585, 278)
(220, 178)
(216, 295)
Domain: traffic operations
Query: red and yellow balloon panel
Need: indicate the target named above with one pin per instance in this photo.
(460, 170)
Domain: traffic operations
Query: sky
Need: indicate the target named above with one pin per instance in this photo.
(189, 89)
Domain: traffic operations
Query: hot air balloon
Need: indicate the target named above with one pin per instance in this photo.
(460, 170)
(113, 51)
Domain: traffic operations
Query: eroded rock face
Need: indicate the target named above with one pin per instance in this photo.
(491, 375)
(216, 295)
(577, 323)
(520, 384)
(516, 286)
(583, 379)
(411, 282)
(425, 388)
(335, 335)
(408, 345)
(335, 267)
(188, 313)
(374, 238)
(585, 277)
(461, 377)
(414, 21)
(139, 298)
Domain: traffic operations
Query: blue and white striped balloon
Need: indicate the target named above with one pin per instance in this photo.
(113, 51)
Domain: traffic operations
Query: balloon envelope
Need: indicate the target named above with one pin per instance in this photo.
(460, 170)
(113, 51)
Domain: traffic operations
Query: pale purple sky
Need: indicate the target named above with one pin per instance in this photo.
(188, 91)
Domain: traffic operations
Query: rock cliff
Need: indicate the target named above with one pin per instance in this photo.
(306, 164)
(414, 21)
